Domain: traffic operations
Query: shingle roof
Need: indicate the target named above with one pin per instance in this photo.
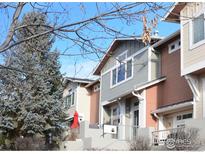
(79, 80)
(112, 47)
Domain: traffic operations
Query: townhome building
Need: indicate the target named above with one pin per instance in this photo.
(81, 95)
(190, 16)
(145, 90)
(127, 63)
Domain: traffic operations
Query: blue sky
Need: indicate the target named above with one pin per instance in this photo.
(78, 65)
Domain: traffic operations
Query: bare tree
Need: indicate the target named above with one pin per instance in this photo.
(85, 33)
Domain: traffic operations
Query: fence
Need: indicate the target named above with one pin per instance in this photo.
(131, 132)
(160, 137)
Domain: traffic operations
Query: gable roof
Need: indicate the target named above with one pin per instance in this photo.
(78, 80)
(173, 15)
(166, 39)
(92, 83)
(112, 48)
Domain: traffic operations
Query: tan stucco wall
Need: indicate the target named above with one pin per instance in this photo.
(83, 102)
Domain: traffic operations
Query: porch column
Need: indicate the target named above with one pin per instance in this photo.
(101, 115)
(161, 123)
(122, 120)
(142, 110)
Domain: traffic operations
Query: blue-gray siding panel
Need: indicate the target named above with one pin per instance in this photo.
(140, 75)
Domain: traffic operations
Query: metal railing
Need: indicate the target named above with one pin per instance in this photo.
(126, 132)
(159, 137)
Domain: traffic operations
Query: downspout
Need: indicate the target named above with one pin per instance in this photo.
(138, 95)
(156, 116)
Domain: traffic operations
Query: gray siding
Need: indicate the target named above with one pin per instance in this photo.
(132, 46)
(140, 75)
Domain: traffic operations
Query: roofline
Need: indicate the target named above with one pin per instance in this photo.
(92, 83)
(78, 80)
(157, 44)
(173, 107)
(120, 39)
(169, 11)
(151, 83)
(140, 87)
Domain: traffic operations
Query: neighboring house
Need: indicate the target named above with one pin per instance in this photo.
(190, 15)
(94, 93)
(77, 98)
(169, 103)
(127, 63)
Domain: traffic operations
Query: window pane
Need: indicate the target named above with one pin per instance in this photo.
(122, 57)
(187, 116)
(73, 95)
(129, 68)
(114, 77)
(121, 73)
(68, 101)
(198, 29)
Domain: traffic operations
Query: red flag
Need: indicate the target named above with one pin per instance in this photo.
(75, 123)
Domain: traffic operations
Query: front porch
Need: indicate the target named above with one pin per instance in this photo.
(127, 114)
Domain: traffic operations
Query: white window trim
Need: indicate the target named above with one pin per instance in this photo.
(132, 56)
(191, 44)
(126, 79)
(124, 52)
(177, 122)
(72, 95)
(177, 46)
(118, 114)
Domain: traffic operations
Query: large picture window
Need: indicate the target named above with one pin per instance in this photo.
(122, 72)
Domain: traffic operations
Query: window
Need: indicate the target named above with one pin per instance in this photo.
(122, 56)
(198, 29)
(180, 119)
(129, 68)
(184, 116)
(96, 87)
(122, 72)
(114, 76)
(115, 116)
(69, 100)
(174, 46)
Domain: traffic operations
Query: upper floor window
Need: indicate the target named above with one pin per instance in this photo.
(174, 46)
(198, 29)
(122, 72)
(69, 100)
(96, 87)
(122, 56)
